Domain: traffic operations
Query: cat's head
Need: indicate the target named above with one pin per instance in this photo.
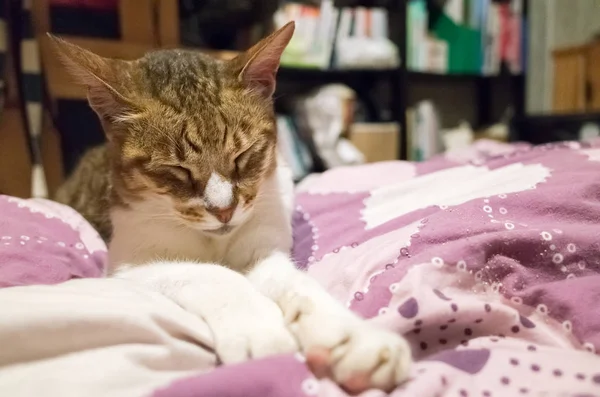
(190, 137)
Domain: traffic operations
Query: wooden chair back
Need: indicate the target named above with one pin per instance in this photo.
(138, 36)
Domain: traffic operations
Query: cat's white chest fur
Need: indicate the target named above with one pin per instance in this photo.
(138, 239)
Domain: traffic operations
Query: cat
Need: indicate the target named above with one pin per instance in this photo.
(201, 206)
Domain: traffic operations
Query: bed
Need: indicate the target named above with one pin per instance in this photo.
(487, 260)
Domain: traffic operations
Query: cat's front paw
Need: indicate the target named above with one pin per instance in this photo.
(355, 354)
(253, 329)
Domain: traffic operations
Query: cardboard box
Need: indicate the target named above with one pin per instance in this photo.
(377, 141)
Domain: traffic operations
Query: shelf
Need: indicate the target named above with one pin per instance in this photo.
(388, 4)
(460, 76)
(340, 74)
(286, 72)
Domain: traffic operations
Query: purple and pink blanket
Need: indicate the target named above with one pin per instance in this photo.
(488, 261)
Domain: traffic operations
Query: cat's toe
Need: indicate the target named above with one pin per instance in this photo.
(254, 341)
(364, 357)
(269, 341)
(372, 358)
(254, 330)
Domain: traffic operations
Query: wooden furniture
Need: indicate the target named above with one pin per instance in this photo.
(576, 78)
(137, 38)
(138, 35)
(15, 161)
(15, 158)
(169, 31)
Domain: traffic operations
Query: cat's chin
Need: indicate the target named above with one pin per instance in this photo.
(221, 231)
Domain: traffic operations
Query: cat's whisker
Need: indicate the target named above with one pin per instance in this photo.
(265, 195)
(162, 217)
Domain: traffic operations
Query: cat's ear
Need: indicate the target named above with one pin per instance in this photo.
(103, 77)
(257, 66)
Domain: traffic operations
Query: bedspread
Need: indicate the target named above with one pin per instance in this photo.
(488, 261)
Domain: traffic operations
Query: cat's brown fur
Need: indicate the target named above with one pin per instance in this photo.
(87, 190)
(170, 118)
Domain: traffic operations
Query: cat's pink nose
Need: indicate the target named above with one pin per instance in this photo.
(224, 215)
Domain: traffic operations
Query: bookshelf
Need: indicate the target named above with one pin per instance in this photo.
(401, 79)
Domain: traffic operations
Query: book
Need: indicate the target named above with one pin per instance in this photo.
(331, 37)
(479, 36)
(416, 34)
(455, 9)
(291, 147)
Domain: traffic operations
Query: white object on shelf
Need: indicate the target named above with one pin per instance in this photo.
(458, 138)
(589, 131)
(369, 46)
(366, 53)
(325, 117)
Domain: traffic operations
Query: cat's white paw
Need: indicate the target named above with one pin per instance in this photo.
(245, 324)
(253, 328)
(355, 354)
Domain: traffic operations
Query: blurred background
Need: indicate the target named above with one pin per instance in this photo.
(361, 81)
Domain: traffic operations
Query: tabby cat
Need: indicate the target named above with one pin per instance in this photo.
(200, 207)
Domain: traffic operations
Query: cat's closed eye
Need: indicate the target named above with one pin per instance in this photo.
(241, 161)
(181, 173)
